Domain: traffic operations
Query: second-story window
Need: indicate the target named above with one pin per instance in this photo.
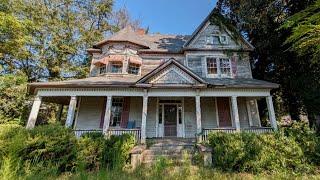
(115, 67)
(102, 70)
(133, 68)
(220, 67)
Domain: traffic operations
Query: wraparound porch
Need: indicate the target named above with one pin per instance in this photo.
(199, 111)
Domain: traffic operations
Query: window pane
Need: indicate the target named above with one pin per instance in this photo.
(115, 67)
(134, 68)
(225, 66)
(116, 111)
(102, 69)
(160, 113)
(212, 65)
(180, 114)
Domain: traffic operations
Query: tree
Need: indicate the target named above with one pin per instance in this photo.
(121, 19)
(305, 27)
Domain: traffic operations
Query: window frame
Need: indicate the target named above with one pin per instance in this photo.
(105, 69)
(114, 110)
(219, 74)
(110, 64)
(219, 42)
(138, 66)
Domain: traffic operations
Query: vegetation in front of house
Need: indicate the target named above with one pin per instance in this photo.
(53, 150)
(292, 149)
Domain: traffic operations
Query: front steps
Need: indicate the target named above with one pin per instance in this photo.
(174, 149)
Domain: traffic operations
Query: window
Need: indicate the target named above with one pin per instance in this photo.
(225, 67)
(216, 39)
(218, 66)
(212, 65)
(102, 69)
(116, 111)
(115, 67)
(180, 114)
(134, 68)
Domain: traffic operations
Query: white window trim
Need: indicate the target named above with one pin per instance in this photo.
(218, 75)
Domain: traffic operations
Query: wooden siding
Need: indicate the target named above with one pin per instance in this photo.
(208, 112)
(151, 117)
(135, 113)
(89, 113)
(243, 113)
(190, 117)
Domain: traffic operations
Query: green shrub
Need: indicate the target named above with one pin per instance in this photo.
(248, 152)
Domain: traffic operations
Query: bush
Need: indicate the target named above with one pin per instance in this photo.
(248, 152)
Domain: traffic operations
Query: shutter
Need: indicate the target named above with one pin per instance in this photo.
(103, 112)
(125, 112)
(234, 66)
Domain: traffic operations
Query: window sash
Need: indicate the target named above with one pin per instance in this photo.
(134, 68)
(115, 67)
(116, 111)
(221, 67)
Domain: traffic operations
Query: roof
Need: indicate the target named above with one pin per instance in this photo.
(241, 83)
(151, 42)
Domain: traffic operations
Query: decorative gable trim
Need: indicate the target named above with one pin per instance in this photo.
(171, 71)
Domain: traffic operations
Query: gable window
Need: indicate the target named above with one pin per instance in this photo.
(115, 67)
(212, 40)
(134, 68)
(102, 70)
(116, 111)
(223, 39)
(219, 67)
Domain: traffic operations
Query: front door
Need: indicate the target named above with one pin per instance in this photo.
(224, 112)
(170, 120)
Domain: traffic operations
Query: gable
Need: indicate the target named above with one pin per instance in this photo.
(207, 28)
(172, 75)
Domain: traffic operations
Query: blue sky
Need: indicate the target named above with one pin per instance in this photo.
(168, 16)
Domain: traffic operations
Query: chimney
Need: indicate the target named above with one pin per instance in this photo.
(141, 31)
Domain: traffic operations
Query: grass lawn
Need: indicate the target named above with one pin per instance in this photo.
(164, 169)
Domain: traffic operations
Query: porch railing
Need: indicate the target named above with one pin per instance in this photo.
(257, 130)
(117, 132)
(206, 131)
(79, 132)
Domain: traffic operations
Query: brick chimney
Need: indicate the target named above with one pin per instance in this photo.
(141, 31)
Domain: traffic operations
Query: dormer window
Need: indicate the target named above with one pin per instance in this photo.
(115, 67)
(218, 67)
(134, 68)
(102, 69)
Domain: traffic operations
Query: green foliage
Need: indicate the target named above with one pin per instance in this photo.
(53, 149)
(13, 100)
(247, 152)
(305, 36)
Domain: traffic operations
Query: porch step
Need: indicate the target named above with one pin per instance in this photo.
(171, 149)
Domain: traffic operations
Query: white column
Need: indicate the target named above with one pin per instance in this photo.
(34, 113)
(235, 112)
(198, 114)
(144, 117)
(272, 115)
(107, 115)
(71, 111)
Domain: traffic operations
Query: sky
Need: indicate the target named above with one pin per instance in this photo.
(168, 16)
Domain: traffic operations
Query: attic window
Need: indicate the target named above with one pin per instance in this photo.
(134, 68)
(115, 67)
(212, 40)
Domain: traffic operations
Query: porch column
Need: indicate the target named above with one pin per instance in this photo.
(107, 115)
(198, 113)
(235, 112)
(272, 115)
(34, 113)
(144, 117)
(71, 111)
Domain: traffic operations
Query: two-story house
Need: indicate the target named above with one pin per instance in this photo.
(155, 85)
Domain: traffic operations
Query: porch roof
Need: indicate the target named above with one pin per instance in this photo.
(129, 81)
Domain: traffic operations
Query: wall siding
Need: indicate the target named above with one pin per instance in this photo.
(135, 113)
(151, 117)
(89, 113)
(243, 113)
(208, 112)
